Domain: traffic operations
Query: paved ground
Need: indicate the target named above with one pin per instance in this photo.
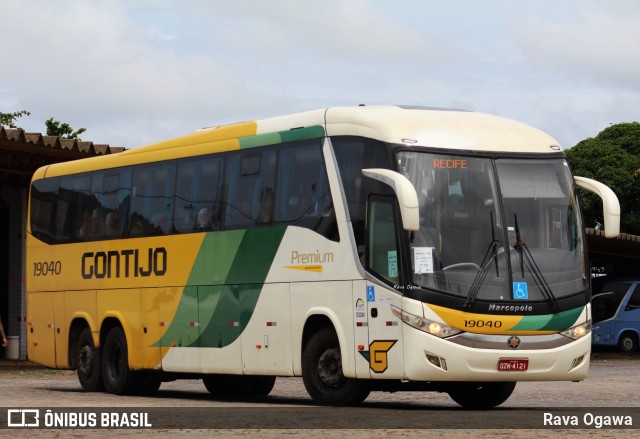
(612, 382)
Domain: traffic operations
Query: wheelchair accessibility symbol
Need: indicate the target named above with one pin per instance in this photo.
(520, 290)
(371, 293)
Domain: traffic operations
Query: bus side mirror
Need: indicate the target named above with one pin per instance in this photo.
(610, 204)
(405, 192)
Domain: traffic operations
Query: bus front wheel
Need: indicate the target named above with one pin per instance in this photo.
(88, 363)
(118, 378)
(322, 372)
(480, 396)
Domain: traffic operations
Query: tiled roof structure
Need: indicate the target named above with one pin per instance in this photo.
(17, 136)
(21, 153)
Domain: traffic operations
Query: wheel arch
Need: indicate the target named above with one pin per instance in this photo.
(313, 324)
(318, 319)
(106, 325)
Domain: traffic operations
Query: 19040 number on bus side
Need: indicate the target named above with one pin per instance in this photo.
(51, 268)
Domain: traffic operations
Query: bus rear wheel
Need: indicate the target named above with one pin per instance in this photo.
(322, 372)
(88, 363)
(480, 396)
(118, 378)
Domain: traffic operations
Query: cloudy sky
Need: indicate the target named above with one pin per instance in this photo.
(137, 71)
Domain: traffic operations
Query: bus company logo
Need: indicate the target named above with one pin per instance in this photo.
(124, 263)
(377, 355)
(514, 342)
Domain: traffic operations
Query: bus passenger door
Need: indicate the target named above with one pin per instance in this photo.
(385, 333)
(382, 260)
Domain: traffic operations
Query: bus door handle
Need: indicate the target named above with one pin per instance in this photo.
(374, 312)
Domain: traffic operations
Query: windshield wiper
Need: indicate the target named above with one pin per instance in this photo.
(484, 266)
(526, 259)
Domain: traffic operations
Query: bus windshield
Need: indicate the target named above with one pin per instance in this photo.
(495, 229)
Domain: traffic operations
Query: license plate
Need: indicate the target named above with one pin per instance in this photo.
(513, 364)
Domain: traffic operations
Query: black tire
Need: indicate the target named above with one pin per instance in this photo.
(481, 396)
(88, 365)
(150, 383)
(322, 372)
(209, 383)
(263, 385)
(117, 377)
(225, 386)
(228, 386)
(628, 342)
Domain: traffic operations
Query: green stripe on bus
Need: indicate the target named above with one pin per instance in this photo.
(224, 287)
(215, 257)
(312, 132)
(260, 140)
(563, 320)
(553, 322)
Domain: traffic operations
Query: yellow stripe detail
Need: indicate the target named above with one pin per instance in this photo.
(481, 323)
(201, 142)
(210, 135)
(314, 268)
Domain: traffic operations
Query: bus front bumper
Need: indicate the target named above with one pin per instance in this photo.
(429, 358)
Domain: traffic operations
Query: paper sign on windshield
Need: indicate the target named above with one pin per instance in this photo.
(423, 260)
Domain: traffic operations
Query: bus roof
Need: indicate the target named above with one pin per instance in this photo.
(415, 126)
(441, 128)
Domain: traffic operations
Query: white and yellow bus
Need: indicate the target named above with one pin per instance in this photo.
(362, 248)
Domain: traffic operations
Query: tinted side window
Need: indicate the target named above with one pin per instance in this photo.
(111, 192)
(382, 248)
(634, 300)
(249, 184)
(304, 198)
(44, 195)
(197, 206)
(606, 305)
(152, 195)
(74, 202)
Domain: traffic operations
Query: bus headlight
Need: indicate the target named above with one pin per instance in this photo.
(425, 325)
(578, 331)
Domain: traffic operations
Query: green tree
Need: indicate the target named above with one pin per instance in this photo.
(613, 158)
(9, 119)
(62, 130)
